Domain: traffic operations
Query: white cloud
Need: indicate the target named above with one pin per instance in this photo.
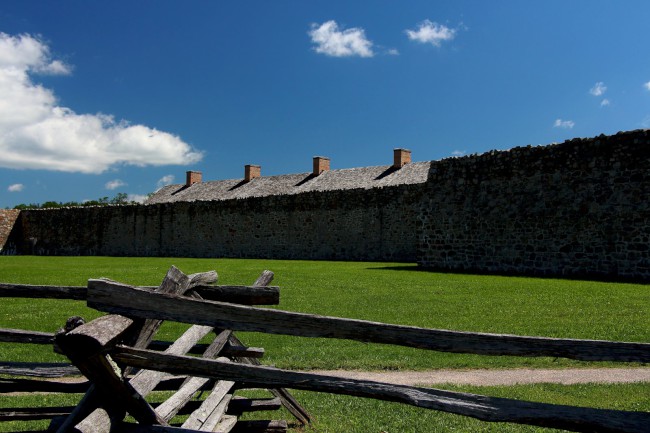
(646, 85)
(458, 153)
(333, 42)
(598, 89)
(27, 53)
(16, 187)
(165, 180)
(37, 133)
(605, 102)
(564, 124)
(431, 33)
(392, 52)
(138, 198)
(114, 184)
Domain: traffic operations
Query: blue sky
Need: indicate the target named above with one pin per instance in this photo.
(99, 98)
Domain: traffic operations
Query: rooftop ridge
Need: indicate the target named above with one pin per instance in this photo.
(307, 173)
(295, 183)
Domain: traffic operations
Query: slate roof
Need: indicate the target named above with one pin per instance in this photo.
(288, 184)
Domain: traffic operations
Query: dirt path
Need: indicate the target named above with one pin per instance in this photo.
(500, 377)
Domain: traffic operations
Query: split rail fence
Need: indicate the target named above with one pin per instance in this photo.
(104, 403)
(123, 365)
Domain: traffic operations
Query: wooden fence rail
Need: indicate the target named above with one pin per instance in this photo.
(23, 336)
(95, 412)
(47, 338)
(244, 295)
(116, 353)
(484, 408)
(8, 290)
(118, 298)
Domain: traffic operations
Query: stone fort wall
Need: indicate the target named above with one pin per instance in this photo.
(580, 208)
(377, 225)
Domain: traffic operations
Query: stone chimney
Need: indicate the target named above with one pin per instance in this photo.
(401, 157)
(251, 172)
(193, 177)
(321, 164)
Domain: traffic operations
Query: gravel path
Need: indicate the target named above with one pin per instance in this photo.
(500, 377)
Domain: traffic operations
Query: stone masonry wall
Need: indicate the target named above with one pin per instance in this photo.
(340, 225)
(580, 208)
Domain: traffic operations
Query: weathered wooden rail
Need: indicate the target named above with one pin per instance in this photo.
(122, 299)
(115, 353)
(96, 413)
(245, 295)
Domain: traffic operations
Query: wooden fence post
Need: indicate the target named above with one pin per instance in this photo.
(87, 347)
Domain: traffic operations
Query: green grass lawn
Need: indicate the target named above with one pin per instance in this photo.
(336, 413)
(385, 292)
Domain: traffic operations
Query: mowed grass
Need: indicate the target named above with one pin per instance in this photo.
(383, 292)
(337, 413)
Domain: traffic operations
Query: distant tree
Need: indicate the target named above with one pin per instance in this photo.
(50, 204)
(120, 198)
(24, 206)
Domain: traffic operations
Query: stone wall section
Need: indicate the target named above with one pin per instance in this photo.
(337, 225)
(580, 208)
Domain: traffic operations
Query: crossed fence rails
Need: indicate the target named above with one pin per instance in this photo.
(123, 364)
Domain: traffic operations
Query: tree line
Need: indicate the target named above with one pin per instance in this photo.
(120, 198)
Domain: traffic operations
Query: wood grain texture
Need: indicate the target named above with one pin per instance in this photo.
(8, 290)
(95, 336)
(33, 413)
(229, 350)
(172, 406)
(38, 369)
(261, 426)
(146, 380)
(124, 299)
(244, 295)
(86, 346)
(50, 386)
(125, 427)
(484, 408)
(286, 398)
(23, 336)
(208, 415)
(200, 282)
(264, 279)
(226, 424)
(175, 282)
(117, 394)
(203, 278)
